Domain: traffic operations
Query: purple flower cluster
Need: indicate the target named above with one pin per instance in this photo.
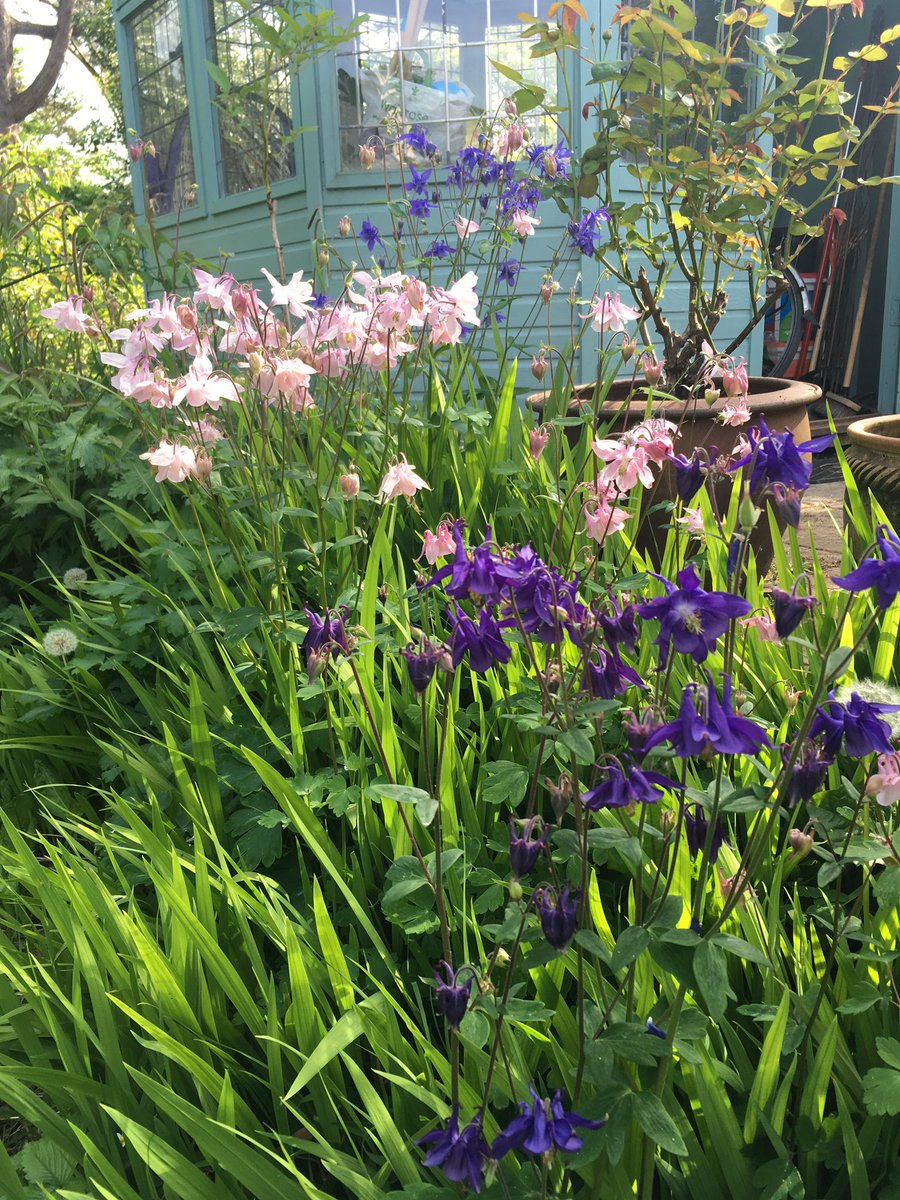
(775, 458)
(585, 233)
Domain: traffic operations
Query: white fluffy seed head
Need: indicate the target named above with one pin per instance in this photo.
(60, 642)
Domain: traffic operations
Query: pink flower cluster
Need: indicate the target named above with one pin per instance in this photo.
(629, 460)
(224, 343)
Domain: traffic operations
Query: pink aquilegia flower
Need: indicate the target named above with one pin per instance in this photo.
(653, 370)
(173, 461)
(135, 151)
(884, 785)
(734, 378)
(608, 314)
(692, 520)
(603, 519)
(524, 223)
(465, 228)
(736, 412)
(627, 464)
(656, 437)
(214, 290)
(68, 314)
(401, 480)
(764, 625)
(438, 544)
(537, 441)
(294, 295)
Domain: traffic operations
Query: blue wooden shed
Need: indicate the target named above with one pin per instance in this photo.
(413, 61)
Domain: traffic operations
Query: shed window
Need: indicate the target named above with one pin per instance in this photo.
(255, 120)
(163, 106)
(426, 62)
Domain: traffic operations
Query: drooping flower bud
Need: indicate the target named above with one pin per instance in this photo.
(135, 150)
(629, 345)
(345, 226)
(653, 370)
(800, 843)
(452, 997)
(549, 288)
(349, 485)
(539, 366)
(537, 441)
(558, 912)
(367, 156)
(524, 848)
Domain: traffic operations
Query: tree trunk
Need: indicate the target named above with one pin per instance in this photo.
(16, 106)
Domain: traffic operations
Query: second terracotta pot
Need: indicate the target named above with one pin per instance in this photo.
(781, 403)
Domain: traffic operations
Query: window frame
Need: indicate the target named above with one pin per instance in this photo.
(291, 185)
(338, 178)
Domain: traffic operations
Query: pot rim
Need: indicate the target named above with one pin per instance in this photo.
(871, 433)
(775, 395)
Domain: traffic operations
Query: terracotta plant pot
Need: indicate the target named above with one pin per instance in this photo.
(781, 403)
(873, 454)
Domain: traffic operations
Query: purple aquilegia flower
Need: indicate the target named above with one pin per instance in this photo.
(637, 728)
(808, 773)
(509, 270)
(558, 912)
(460, 1155)
(789, 610)
(370, 235)
(696, 828)
(417, 137)
(626, 784)
(705, 725)
(776, 458)
(882, 574)
(524, 848)
(420, 208)
(421, 661)
(584, 234)
(689, 474)
(542, 1126)
(326, 630)
(439, 249)
(318, 300)
(538, 598)
(856, 725)
(619, 625)
(607, 676)
(451, 997)
(483, 641)
(691, 619)
(418, 180)
(472, 573)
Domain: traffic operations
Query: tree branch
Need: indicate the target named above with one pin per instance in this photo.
(31, 29)
(25, 102)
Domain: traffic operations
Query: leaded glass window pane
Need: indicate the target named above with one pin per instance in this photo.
(163, 106)
(426, 62)
(255, 126)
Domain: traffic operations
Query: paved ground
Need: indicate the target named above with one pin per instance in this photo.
(822, 515)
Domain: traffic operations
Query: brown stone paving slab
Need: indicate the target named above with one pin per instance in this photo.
(822, 514)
